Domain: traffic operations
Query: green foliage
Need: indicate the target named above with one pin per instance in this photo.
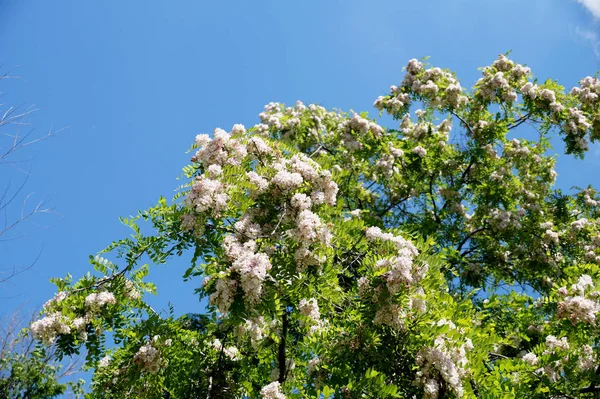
(344, 260)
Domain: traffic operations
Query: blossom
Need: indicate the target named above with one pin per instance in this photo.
(231, 352)
(285, 180)
(310, 309)
(448, 360)
(578, 309)
(149, 358)
(260, 182)
(49, 327)
(104, 362)
(224, 294)
(551, 236)
(252, 268)
(100, 299)
(58, 298)
(207, 195)
(220, 150)
(301, 201)
(313, 364)
(272, 391)
(420, 151)
(530, 358)
(554, 343)
(309, 229)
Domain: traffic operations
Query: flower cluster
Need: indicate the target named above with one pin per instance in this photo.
(222, 149)
(588, 91)
(231, 352)
(445, 360)
(500, 80)
(309, 308)
(149, 358)
(248, 270)
(502, 220)
(58, 298)
(272, 391)
(97, 300)
(401, 268)
(255, 328)
(207, 194)
(49, 327)
(576, 126)
(355, 127)
(574, 304)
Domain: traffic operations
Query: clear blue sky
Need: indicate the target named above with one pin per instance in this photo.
(135, 81)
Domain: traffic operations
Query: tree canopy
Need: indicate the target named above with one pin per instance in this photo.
(344, 259)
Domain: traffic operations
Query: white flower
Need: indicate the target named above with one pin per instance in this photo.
(104, 362)
(420, 151)
(272, 391)
(310, 309)
(95, 300)
(530, 358)
(148, 357)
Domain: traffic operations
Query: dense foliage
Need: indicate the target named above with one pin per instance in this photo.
(29, 370)
(344, 259)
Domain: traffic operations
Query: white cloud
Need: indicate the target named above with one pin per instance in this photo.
(593, 6)
(590, 36)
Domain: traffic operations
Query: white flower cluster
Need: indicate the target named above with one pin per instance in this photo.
(551, 237)
(502, 220)
(553, 344)
(149, 358)
(310, 309)
(249, 266)
(587, 197)
(392, 315)
(530, 358)
(588, 91)
(579, 224)
(49, 327)
(55, 323)
(420, 151)
(97, 300)
(310, 229)
(272, 391)
(316, 119)
(104, 362)
(255, 328)
(258, 181)
(446, 359)
(357, 126)
(514, 148)
(438, 87)
(313, 364)
(587, 358)
(222, 149)
(387, 161)
(231, 352)
(130, 291)
(207, 194)
(576, 126)
(545, 97)
(575, 306)
(401, 268)
(58, 298)
(398, 99)
(500, 80)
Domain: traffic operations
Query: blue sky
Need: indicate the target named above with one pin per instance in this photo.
(135, 81)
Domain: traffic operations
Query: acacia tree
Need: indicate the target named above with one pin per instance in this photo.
(344, 259)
